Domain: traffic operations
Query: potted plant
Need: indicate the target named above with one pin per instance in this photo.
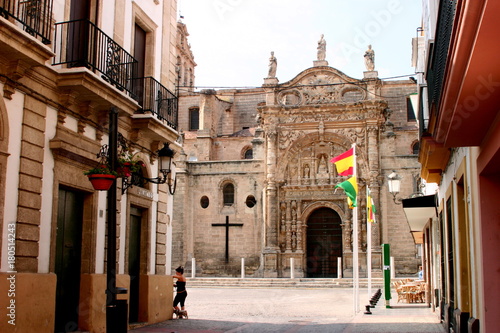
(128, 164)
(101, 177)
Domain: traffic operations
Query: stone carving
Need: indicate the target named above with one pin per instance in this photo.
(322, 89)
(273, 64)
(322, 169)
(299, 235)
(282, 208)
(292, 97)
(323, 174)
(287, 137)
(321, 48)
(306, 171)
(347, 236)
(288, 240)
(370, 59)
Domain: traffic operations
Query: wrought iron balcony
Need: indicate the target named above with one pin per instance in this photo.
(155, 98)
(80, 43)
(34, 15)
(439, 52)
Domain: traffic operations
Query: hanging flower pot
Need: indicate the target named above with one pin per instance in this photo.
(101, 177)
(101, 182)
(125, 170)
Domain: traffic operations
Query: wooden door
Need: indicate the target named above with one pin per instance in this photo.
(68, 259)
(324, 243)
(77, 49)
(139, 71)
(134, 262)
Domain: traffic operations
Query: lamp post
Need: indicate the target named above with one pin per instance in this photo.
(114, 322)
(116, 311)
(394, 185)
(165, 156)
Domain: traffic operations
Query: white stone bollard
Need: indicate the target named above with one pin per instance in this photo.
(292, 268)
(339, 267)
(393, 270)
(193, 268)
(242, 268)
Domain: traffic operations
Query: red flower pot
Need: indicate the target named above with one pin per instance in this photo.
(125, 170)
(101, 182)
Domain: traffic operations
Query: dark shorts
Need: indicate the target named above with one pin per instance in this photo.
(180, 298)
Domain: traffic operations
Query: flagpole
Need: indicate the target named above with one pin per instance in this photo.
(355, 254)
(369, 242)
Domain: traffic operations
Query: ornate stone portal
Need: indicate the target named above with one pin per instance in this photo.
(317, 115)
(291, 130)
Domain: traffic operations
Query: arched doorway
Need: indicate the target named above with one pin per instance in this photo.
(324, 243)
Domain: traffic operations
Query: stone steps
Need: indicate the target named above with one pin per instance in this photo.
(203, 282)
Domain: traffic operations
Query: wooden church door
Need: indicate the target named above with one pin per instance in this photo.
(324, 243)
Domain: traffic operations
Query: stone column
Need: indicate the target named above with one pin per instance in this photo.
(294, 224)
(300, 228)
(258, 144)
(271, 249)
(288, 243)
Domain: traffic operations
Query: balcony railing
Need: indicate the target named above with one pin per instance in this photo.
(155, 98)
(34, 15)
(81, 43)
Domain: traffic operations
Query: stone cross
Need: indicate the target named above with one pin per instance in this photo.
(227, 225)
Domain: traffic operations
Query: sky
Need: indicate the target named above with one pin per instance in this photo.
(232, 40)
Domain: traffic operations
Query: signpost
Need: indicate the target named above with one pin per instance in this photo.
(386, 259)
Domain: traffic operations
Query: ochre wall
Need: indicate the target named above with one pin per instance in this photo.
(35, 302)
(92, 316)
(156, 297)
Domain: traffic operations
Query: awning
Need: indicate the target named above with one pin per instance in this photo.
(419, 210)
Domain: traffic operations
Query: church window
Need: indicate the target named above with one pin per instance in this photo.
(415, 148)
(250, 202)
(228, 194)
(409, 110)
(249, 154)
(194, 119)
(204, 202)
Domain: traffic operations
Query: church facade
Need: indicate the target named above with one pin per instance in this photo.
(254, 178)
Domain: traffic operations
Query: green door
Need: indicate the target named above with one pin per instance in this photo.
(134, 261)
(68, 259)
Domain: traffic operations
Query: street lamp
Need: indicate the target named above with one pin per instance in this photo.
(394, 184)
(165, 156)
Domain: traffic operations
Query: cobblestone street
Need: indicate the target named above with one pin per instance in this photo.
(293, 310)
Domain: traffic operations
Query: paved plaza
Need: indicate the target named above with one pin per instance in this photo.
(297, 310)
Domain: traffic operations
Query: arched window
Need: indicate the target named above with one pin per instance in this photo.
(228, 194)
(249, 154)
(194, 119)
(139, 175)
(415, 148)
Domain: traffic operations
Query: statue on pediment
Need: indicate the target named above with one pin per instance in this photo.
(321, 48)
(273, 64)
(370, 59)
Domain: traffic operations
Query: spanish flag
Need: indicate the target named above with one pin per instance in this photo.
(344, 163)
(350, 187)
(370, 207)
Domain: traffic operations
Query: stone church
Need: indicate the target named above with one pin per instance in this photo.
(254, 178)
